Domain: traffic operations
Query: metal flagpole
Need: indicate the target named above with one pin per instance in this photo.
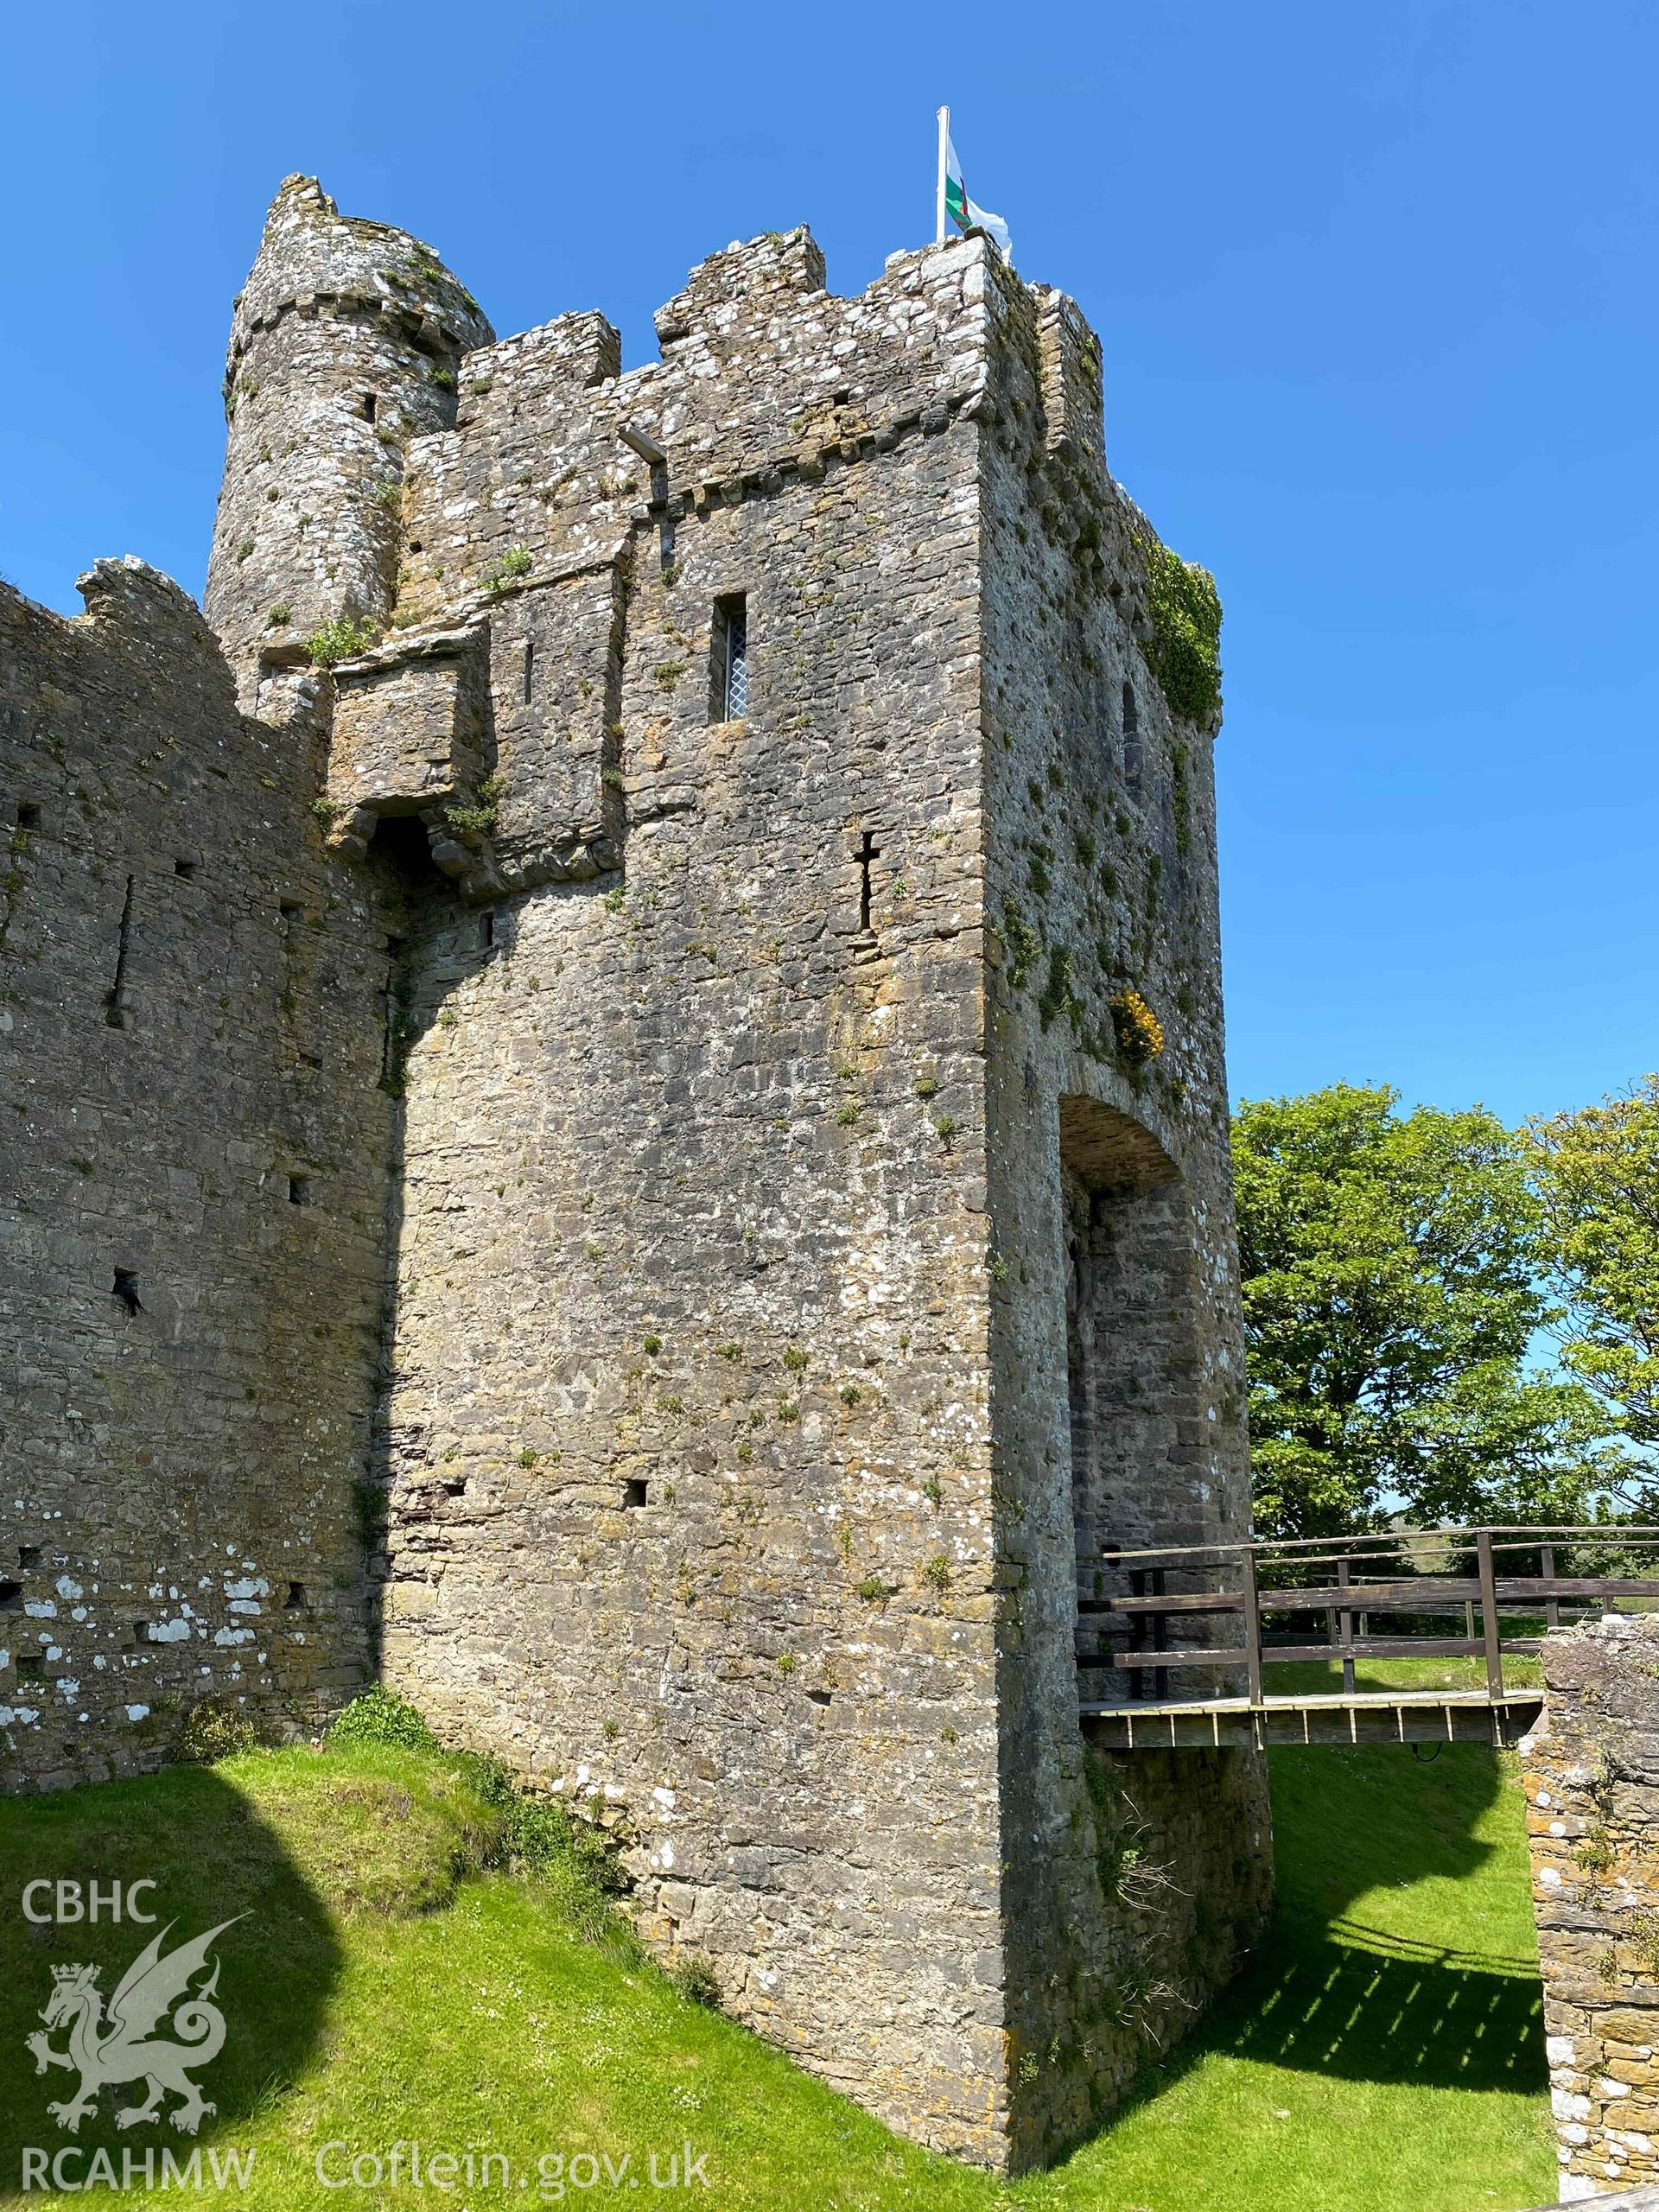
(945, 136)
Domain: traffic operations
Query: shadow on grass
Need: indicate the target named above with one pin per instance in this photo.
(1444, 1995)
(212, 1857)
(1363, 2008)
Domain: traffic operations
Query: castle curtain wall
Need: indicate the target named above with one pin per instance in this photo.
(194, 1197)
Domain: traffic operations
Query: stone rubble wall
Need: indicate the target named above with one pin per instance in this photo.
(908, 487)
(1591, 1776)
(687, 1439)
(191, 1008)
(1626, 2199)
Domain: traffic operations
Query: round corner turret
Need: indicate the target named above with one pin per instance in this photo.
(346, 343)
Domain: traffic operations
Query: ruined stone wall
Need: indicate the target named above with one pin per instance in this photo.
(786, 1272)
(687, 1441)
(192, 1159)
(1591, 1776)
(1116, 1342)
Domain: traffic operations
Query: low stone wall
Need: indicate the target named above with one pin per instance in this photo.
(1590, 1771)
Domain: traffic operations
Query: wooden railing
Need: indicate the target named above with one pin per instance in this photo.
(1266, 1589)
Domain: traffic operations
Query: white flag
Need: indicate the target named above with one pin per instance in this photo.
(962, 210)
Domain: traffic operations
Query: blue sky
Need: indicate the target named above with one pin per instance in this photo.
(1375, 285)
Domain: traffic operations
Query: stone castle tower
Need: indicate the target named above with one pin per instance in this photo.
(613, 1106)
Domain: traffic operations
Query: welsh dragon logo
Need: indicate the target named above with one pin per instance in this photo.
(121, 2047)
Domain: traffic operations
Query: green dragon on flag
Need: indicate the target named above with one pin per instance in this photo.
(955, 201)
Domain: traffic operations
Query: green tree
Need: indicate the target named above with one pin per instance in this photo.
(1596, 1176)
(1391, 1287)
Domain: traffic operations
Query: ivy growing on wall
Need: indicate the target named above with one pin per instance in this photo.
(1183, 651)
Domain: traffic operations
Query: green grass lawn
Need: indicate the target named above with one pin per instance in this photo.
(1384, 2050)
(1305, 1678)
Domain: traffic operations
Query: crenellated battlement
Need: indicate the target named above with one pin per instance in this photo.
(315, 261)
(565, 478)
(734, 294)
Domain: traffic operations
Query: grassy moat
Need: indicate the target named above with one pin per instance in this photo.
(1385, 2050)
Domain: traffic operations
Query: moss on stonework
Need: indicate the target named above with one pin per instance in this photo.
(516, 561)
(1023, 943)
(1183, 651)
(1058, 996)
(1180, 797)
(477, 816)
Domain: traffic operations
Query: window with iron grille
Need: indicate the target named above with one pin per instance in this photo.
(732, 659)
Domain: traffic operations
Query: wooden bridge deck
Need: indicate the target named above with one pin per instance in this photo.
(1366, 1717)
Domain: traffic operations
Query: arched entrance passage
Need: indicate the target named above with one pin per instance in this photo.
(1141, 1473)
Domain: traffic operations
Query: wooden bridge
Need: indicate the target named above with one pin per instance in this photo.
(1244, 1611)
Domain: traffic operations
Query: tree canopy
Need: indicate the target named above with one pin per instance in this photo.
(1596, 1176)
(1393, 1280)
